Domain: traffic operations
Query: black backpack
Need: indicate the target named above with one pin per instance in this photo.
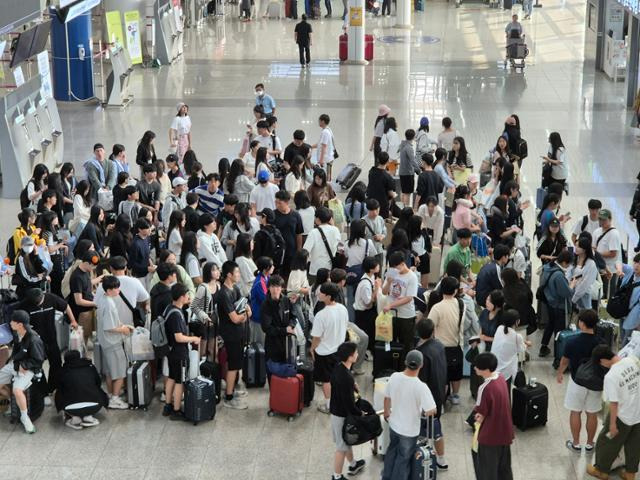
(275, 245)
(619, 305)
(523, 149)
(11, 251)
(24, 198)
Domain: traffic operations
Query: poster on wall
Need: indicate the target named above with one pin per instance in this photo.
(45, 73)
(132, 31)
(114, 27)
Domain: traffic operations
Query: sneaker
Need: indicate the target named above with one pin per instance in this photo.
(455, 399)
(47, 401)
(166, 411)
(240, 393)
(341, 477)
(90, 421)
(442, 466)
(235, 403)
(594, 472)
(28, 426)
(544, 351)
(573, 447)
(322, 408)
(162, 398)
(176, 415)
(357, 468)
(117, 404)
(588, 447)
(74, 422)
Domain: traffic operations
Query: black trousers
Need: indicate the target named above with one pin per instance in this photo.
(327, 4)
(556, 323)
(305, 53)
(492, 462)
(386, 7)
(55, 364)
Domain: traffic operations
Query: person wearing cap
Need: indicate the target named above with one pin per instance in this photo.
(343, 404)
(101, 172)
(606, 241)
(30, 271)
(42, 309)
(378, 130)
(552, 242)
(180, 131)
(175, 200)
(24, 363)
(588, 223)
(492, 460)
(81, 286)
(406, 400)
(424, 143)
(264, 195)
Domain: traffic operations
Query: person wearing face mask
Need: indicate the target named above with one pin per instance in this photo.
(265, 100)
(30, 271)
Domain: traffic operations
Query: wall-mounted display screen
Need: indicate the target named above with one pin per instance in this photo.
(22, 48)
(40, 38)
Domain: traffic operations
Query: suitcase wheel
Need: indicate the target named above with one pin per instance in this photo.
(195, 423)
(290, 419)
(271, 413)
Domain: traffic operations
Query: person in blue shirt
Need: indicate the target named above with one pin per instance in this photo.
(631, 274)
(265, 101)
(211, 196)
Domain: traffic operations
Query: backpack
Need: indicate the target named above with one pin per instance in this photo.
(11, 251)
(159, 337)
(355, 272)
(523, 149)
(275, 245)
(619, 305)
(24, 198)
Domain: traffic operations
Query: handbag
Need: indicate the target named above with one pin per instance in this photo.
(359, 429)
(384, 327)
(590, 376)
(281, 369)
(338, 260)
(139, 314)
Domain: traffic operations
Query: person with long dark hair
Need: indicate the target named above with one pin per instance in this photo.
(552, 242)
(37, 184)
(237, 182)
(507, 344)
(68, 189)
(491, 317)
(58, 250)
(463, 212)
(30, 271)
(585, 280)
(518, 295)
(557, 159)
(355, 203)
(180, 131)
(244, 259)
(420, 248)
(81, 207)
(55, 185)
(175, 232)
(378, 130)
(294, 180)
(320, 191)
(95, 230)
(146, 153)
(390, 143)
(400, 243)
(223, 169)
(497, 222)
(459, 159)
(513, 134)
(121, 237)
(189, 257)
(242, 222)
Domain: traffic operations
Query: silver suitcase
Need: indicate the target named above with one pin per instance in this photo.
(139, 386)
(97, 357)
(62, 331)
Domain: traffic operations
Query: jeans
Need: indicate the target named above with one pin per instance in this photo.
(305, 54)
(557, 322)
(327, 4)
(397, 461)
(607, 449)
(527, 7)
(386, 7)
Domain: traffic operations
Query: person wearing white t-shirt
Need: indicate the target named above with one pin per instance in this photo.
(130, 287)
(406, 400)
(270, 142)
(446, 136)
(180, 131)
(327, 334)
(621, 427)
(319, 255)
(507, 344)
(401, 284)
(607, 243)
(324, 154)
(264, 194)
(588, 223)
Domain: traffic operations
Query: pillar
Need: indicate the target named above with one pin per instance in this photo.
(72, 54)
(631, 77)
(355, 32)
(403, 14)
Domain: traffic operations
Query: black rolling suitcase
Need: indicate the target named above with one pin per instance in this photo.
(348, 175)
(305, 368)
(387, 356)
(211, 368)
(35, 399)
(254, 370)
(199, 400)
(608, 331)
(529, 406)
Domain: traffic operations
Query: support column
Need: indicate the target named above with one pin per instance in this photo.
(403, 14)
(355, 33)
(631, 78)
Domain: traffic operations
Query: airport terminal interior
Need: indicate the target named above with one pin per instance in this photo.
(449, 64)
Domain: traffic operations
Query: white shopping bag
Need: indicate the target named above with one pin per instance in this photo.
(194, 364)
(76, 341)
(105, 200)
(141, 346)
(632, 347)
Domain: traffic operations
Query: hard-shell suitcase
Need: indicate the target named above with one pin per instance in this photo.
(379, 387)
(35, 399)
(348, 175)
(368, 47)
(139, 385)
(199, 400)
(254, 370)
(608, 331)
(343, 49)
(97, 356)
(380, 445)
(507, 4)
(211, 369)
(306, 370)
(286, 396)
(435, 262)
(540, 194)
(560, 342)
(62, 331)
(529, 406)
(287, 8)
(274, 10)
(423, 463)
(387, 356)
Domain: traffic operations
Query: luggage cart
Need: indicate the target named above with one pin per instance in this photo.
(516, 52)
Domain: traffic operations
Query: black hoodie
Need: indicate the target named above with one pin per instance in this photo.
(28, 352)
(79, 382)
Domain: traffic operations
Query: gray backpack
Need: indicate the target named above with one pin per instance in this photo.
(159, 337)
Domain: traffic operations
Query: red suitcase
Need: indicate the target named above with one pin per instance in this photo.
(286, 396)
(368, 47)
(344, 47)
(287, 8)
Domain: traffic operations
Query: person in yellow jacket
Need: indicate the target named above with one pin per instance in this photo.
(27, 219)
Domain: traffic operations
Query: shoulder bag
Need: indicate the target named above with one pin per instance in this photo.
(338, 260)
(590, 376)
(139, 313)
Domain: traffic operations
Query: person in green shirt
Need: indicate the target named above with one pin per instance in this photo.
(460, 251)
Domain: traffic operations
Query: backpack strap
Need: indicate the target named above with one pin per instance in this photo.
(326, 244)
(603, 234)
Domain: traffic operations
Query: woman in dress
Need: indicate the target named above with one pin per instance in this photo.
(177, 221)
(180, 131)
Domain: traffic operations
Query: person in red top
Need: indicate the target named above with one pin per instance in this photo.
(493, 413)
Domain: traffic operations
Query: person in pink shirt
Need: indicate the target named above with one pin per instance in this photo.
(463, 215)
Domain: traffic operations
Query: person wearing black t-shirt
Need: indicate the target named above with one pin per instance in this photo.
(232, 328)
(381, 185)
(303, 33)
(160, 294)
(297, 147)
(342, 404)
(289, 223)
(81, 298)
(176, 328)
(42, 308)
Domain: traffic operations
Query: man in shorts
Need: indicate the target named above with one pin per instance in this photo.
(25, 362)
(328, 333)
(111, 337)
(343, 390)
(577, 398)
(176, 329)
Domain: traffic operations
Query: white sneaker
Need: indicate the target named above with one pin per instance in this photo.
(455, 399)
(236, 404)
(74, 422)
(117, 404)
(28, 426)
(240, 393)
(47, 401)
(90, 421)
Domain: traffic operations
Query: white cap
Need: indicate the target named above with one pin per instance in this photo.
(178, 181)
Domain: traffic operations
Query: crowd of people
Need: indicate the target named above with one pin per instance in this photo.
(429, 237)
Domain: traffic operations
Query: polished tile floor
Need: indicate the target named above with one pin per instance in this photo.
(454, 73)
